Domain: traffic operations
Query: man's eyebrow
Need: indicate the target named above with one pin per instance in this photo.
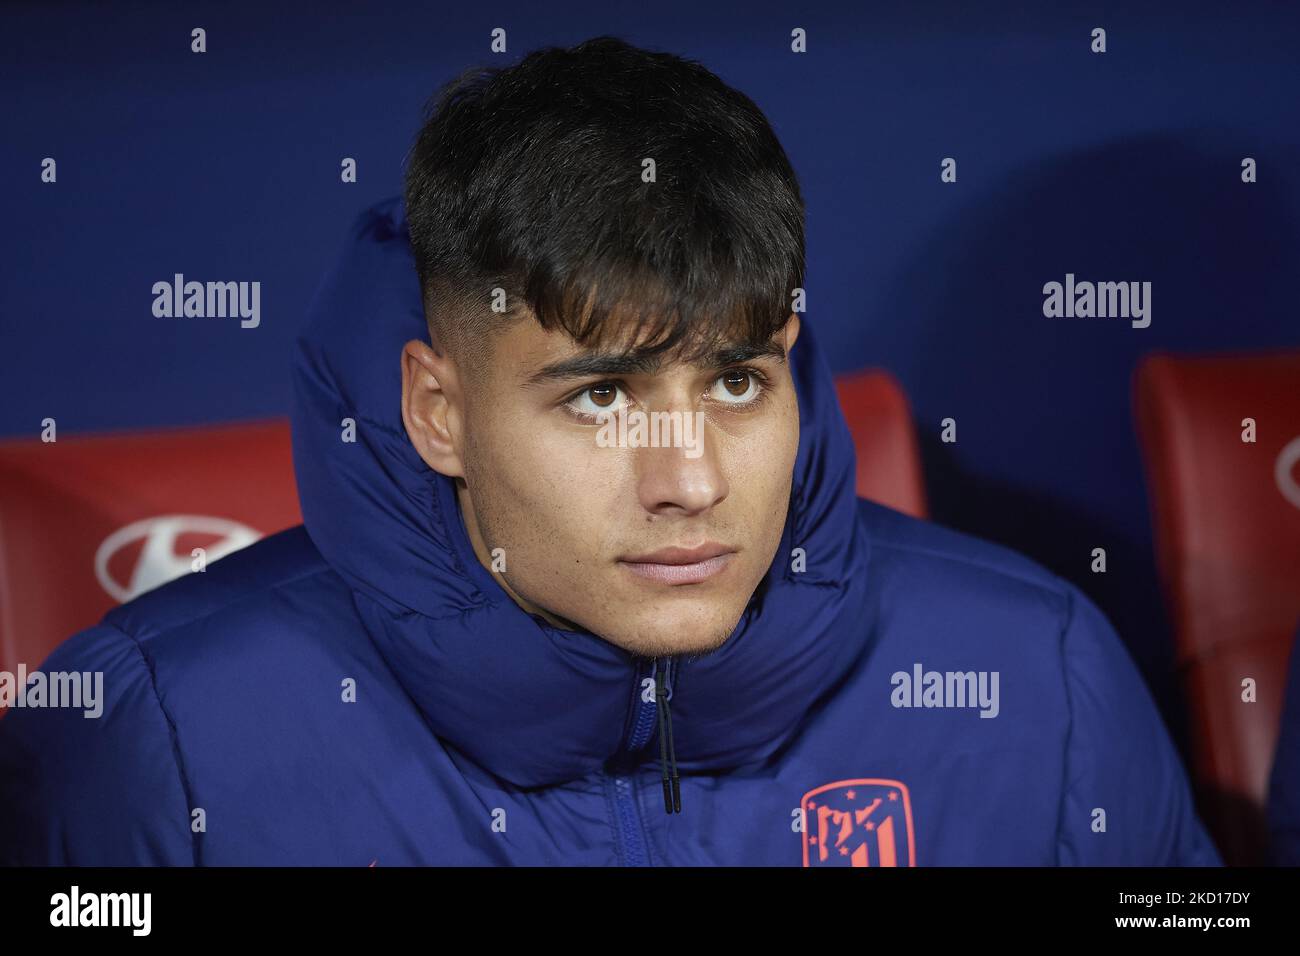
(633, 363)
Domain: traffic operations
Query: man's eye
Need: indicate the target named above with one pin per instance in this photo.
(737, 387)
(598, 398)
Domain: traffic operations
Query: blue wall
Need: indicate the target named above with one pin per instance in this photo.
(1122, 166)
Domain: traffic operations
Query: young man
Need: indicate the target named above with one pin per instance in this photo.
(510, 633)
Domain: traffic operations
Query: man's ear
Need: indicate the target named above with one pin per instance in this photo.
(431, 407)
(791, 331)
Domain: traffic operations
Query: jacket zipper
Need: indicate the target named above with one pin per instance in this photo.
(624, 783)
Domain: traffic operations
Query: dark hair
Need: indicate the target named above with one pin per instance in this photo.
(529, 178)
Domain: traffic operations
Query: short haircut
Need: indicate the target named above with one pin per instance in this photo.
(528, 178)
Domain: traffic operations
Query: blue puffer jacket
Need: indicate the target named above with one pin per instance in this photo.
(480, 734)
(1283, 812)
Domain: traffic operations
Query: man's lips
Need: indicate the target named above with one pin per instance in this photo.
(681, 565)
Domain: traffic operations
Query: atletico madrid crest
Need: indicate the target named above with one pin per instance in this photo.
(858, 823)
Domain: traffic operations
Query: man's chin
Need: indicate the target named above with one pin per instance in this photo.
(666, 636)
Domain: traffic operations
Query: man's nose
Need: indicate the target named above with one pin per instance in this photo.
(686, 477)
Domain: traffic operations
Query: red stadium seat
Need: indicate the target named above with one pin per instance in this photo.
(87, 522)
(1227, 535)
(889, 462)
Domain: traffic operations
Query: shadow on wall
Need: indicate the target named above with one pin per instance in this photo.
(1047, 460)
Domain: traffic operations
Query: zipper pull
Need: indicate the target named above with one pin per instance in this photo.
(667, 753)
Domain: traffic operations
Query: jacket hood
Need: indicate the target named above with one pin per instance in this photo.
(529, 703)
